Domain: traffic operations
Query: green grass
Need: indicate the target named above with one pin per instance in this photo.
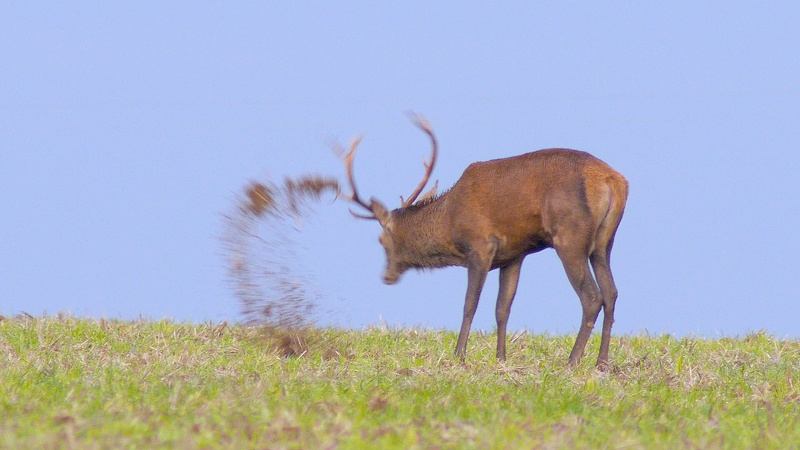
(75, 383)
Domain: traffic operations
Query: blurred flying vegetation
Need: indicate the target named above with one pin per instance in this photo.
(260, 244)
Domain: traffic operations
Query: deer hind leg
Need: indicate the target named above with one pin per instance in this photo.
(602, 270)
(509, 278)
(480, 261)
(576, 265)
(601, 264)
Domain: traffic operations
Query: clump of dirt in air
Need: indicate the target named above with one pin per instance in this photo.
(273, 289)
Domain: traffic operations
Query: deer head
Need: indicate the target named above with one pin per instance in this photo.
(378, 211)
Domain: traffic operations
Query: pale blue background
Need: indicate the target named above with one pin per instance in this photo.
(128, 128)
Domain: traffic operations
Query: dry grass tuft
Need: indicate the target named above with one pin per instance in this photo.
(289, 343)
(307, 341)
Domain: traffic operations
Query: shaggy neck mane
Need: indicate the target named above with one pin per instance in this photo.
(420, 204)
(423, 232)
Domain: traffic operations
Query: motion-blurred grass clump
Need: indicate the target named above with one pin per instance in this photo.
(273, 288)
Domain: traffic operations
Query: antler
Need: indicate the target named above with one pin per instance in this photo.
(348, 162)
(423, 124)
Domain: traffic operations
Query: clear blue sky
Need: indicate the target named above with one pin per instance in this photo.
(128, 128)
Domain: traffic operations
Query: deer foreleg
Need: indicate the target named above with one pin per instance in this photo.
(479, 264)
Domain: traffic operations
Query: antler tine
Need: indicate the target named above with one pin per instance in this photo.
(348, 161)
(423, 124)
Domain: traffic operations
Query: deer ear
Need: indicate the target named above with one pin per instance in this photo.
(380, 212)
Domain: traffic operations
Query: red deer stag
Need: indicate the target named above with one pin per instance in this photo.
(500, 211)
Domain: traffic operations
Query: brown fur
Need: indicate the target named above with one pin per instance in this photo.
(502, 210)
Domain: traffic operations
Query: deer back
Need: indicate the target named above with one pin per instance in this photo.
(524, 200)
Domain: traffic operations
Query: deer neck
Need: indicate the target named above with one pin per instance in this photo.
(425, 235)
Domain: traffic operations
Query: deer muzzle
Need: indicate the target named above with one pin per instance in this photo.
(391, 278)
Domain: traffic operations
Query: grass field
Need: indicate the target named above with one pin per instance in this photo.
(76, 383)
